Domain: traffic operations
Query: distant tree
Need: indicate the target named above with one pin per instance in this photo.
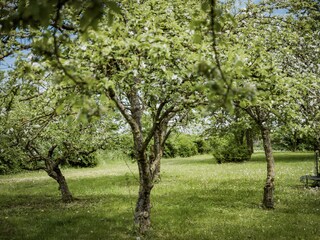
(254, 59)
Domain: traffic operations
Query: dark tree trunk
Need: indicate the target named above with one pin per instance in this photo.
(149, 167)
(249, 140)
(294, 142)
(268, 200)
(63, 186)
(143, 206)
(239, 137)
(57, 175)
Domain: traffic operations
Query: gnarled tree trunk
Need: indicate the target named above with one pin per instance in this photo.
(268, 200)
(143, 207)
(56, 174)
(63, 187)
(149, 167)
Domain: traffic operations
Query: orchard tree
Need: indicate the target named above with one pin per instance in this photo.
(7, 95)
(231, 134)
(250, 61)
(144, 63)
(42, 129)
(278, 68)
(148, 69)
(304, 63)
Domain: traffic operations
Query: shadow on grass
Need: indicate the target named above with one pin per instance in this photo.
(230, 212)
(285, 157)
(40, 217)
(182, 210)
(244, 195)
(184, 161)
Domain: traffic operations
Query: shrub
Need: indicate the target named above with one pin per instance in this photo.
(7, 167)
(182, 145)
(11, 161)
(83, 161)
(227, 150)
(203, 145)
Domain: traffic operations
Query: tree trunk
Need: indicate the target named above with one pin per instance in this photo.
(294, 142)
(63, 186)
(268, 200)
(157, 171)
(143, 206)
(249, 140)
(158, 146)
(57, 175)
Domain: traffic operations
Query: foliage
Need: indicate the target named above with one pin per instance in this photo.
(186, 145)
(289, 139)
(40, 125)
(183, 145)
(54, 13)
(227, 149)
(123, 143)
(203, 145)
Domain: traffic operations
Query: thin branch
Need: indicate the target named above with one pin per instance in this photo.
(156, 122)
(112, 95)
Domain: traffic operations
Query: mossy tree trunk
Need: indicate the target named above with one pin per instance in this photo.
(143, 206)
(268, 201)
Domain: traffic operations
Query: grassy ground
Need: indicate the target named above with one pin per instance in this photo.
(196, 199)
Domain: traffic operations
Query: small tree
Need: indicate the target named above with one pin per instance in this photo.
(43, 131)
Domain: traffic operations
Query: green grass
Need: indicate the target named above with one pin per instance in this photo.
(196, 199)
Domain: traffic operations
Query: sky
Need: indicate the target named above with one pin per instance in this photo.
(7, 63)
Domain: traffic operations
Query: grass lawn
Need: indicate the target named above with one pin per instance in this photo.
(196, 199)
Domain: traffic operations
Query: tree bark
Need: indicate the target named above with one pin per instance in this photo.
(57, 175)
(249, 140)
(63, 187)
(143, 206)
(158, 146)
(149, 167)
(268, 201)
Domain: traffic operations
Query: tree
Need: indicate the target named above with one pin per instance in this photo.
(251, 64)
(277, 74)
(144, 63)
(150, 65)
(232, 135)
(304, 63)
(43, 128)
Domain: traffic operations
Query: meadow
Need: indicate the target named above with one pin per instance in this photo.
(195, 199)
